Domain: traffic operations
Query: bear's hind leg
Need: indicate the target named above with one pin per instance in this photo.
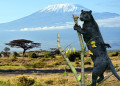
(101, 77)
(100, 66)
(94, 77)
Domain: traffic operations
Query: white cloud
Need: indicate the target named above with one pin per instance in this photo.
(67, 25)
(111, 22)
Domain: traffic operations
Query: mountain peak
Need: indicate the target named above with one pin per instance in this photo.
(62, 8)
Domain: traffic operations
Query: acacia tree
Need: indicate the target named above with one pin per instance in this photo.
(24, 44)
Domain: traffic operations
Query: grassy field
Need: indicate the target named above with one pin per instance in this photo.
(48, 70)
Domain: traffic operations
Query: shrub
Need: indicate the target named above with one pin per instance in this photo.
(35, 65)
(25, 81)
(57, 51)
(39, 65)
(5, 54)
(115, 54)
(15, 54)
(72, 56)
(32, 55)
(49, 54)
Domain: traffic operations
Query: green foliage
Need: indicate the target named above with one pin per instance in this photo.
(72, 56)
(49, 54)
(35, 65)
(65, 73)
(25, 81)
(57, 51)
(32, 55)
(15, 54)
(24, 44)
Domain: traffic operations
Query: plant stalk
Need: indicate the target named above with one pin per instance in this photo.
(68, 61)
(82, 52)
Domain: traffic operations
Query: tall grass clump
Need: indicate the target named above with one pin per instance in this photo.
(25, 81)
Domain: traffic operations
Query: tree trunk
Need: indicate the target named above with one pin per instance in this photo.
(24, 52)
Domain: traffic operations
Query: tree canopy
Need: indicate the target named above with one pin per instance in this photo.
(23, 43)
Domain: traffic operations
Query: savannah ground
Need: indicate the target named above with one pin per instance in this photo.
(48, 69)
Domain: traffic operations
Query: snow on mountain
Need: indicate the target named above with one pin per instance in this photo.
(62, 8)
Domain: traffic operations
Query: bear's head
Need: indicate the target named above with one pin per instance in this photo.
(86, 15)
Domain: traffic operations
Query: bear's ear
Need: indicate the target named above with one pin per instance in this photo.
(81, 10)
(90, 11)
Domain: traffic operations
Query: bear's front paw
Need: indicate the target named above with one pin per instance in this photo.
(76, 27)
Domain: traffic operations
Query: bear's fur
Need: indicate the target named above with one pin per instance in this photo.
(99, 56)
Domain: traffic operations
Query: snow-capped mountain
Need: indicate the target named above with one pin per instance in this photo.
(63, 8)
(43, 26)
(52, 15)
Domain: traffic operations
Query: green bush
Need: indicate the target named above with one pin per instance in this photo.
(72, 56)
(15, 54)
(25, 81)
(35, 65)
(49, 54)
(57, 51)
(32, 55)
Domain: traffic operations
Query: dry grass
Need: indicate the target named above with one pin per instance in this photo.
(50, 79)
(57, 79)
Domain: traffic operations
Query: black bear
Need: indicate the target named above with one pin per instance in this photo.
(96, 46)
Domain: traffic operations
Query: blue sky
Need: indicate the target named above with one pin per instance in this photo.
(14, 9)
